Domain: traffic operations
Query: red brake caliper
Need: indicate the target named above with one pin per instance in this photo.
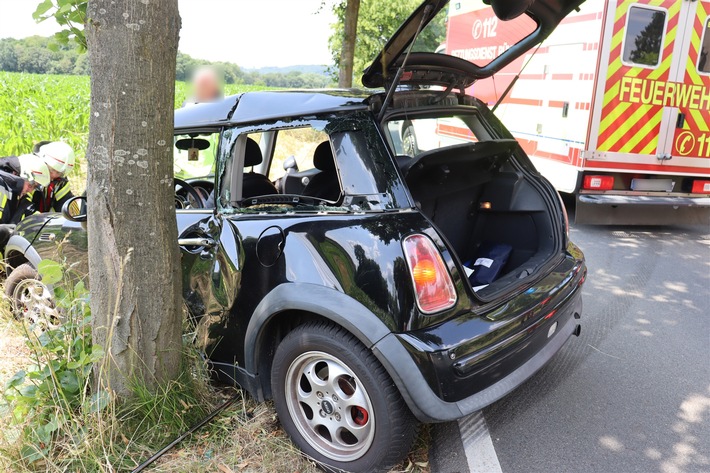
(360, 415)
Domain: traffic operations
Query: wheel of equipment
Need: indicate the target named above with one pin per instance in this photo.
(409, 141)
(30, 299)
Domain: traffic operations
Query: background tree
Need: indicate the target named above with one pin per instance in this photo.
(347, 54)
(70, 15)
(40, 55)
(377, 21)
(135, 301)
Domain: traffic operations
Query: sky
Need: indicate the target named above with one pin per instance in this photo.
(249, 33)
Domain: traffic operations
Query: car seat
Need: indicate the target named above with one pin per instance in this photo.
(255, 184)
(325, 184)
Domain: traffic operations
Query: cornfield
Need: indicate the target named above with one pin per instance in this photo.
(42, 107)
(49, 107)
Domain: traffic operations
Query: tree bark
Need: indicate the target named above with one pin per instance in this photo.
(133, 254)
(347, 55)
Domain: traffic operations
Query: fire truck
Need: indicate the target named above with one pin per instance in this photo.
(614, 106)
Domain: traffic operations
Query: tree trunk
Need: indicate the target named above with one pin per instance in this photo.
(347, 55)
(134, 259)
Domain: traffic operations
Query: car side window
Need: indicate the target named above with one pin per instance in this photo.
(278, 163)
(299, 144)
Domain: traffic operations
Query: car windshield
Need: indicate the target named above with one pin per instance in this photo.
(194, 154)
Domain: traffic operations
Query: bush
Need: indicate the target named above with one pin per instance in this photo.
(62, 421)
(46, 398)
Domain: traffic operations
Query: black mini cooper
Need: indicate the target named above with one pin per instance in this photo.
(366, 260)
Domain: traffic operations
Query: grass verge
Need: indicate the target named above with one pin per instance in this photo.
(246, 437)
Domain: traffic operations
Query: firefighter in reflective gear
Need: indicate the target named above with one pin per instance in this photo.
(33, 174)
(11, 164)
(59, 158)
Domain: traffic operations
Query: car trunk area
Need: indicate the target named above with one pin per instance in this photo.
(476, 197)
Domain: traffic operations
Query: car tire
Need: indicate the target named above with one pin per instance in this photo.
(18, 285)
(337, 402)
(409, 141)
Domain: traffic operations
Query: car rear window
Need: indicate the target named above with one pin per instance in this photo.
(412, 136)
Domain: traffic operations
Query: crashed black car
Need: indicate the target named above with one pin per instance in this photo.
(355, 260)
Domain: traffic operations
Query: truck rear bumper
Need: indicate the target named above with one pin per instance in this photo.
(610, 209)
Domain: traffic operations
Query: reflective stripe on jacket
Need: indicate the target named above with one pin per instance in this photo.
(10, 193)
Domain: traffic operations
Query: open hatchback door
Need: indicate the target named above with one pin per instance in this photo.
(508, 30)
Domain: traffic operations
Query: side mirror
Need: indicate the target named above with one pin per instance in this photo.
(74, 209)
(290, 164)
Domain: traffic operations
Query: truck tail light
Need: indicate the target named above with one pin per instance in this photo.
(701, 187)
(598, 183)
(432, 282)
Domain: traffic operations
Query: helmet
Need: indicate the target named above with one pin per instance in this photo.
(34, 169)
(58, 156)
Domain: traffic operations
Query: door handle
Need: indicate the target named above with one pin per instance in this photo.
(680, 121)
(198, 242)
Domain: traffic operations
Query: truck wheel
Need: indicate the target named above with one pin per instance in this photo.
(409, 141)
(29, 297)
(338, 403)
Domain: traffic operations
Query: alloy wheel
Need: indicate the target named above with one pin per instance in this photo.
(329, 406)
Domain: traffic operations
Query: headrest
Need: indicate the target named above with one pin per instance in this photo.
(323, 157)
(252, 155)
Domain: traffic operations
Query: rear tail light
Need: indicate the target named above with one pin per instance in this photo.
(432, 282)
(598, 183)
(701, 187)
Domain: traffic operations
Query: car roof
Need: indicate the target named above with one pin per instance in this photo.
(265, 106)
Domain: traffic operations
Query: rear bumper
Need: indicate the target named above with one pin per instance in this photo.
(469, 380)
(614, 209)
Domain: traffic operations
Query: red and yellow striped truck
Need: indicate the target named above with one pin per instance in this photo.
(614, 107)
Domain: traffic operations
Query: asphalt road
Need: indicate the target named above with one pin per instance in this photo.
(632, 393)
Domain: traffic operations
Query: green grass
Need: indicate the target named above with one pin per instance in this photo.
(245, 437)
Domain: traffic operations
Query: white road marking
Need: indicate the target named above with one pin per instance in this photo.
(478, 445)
